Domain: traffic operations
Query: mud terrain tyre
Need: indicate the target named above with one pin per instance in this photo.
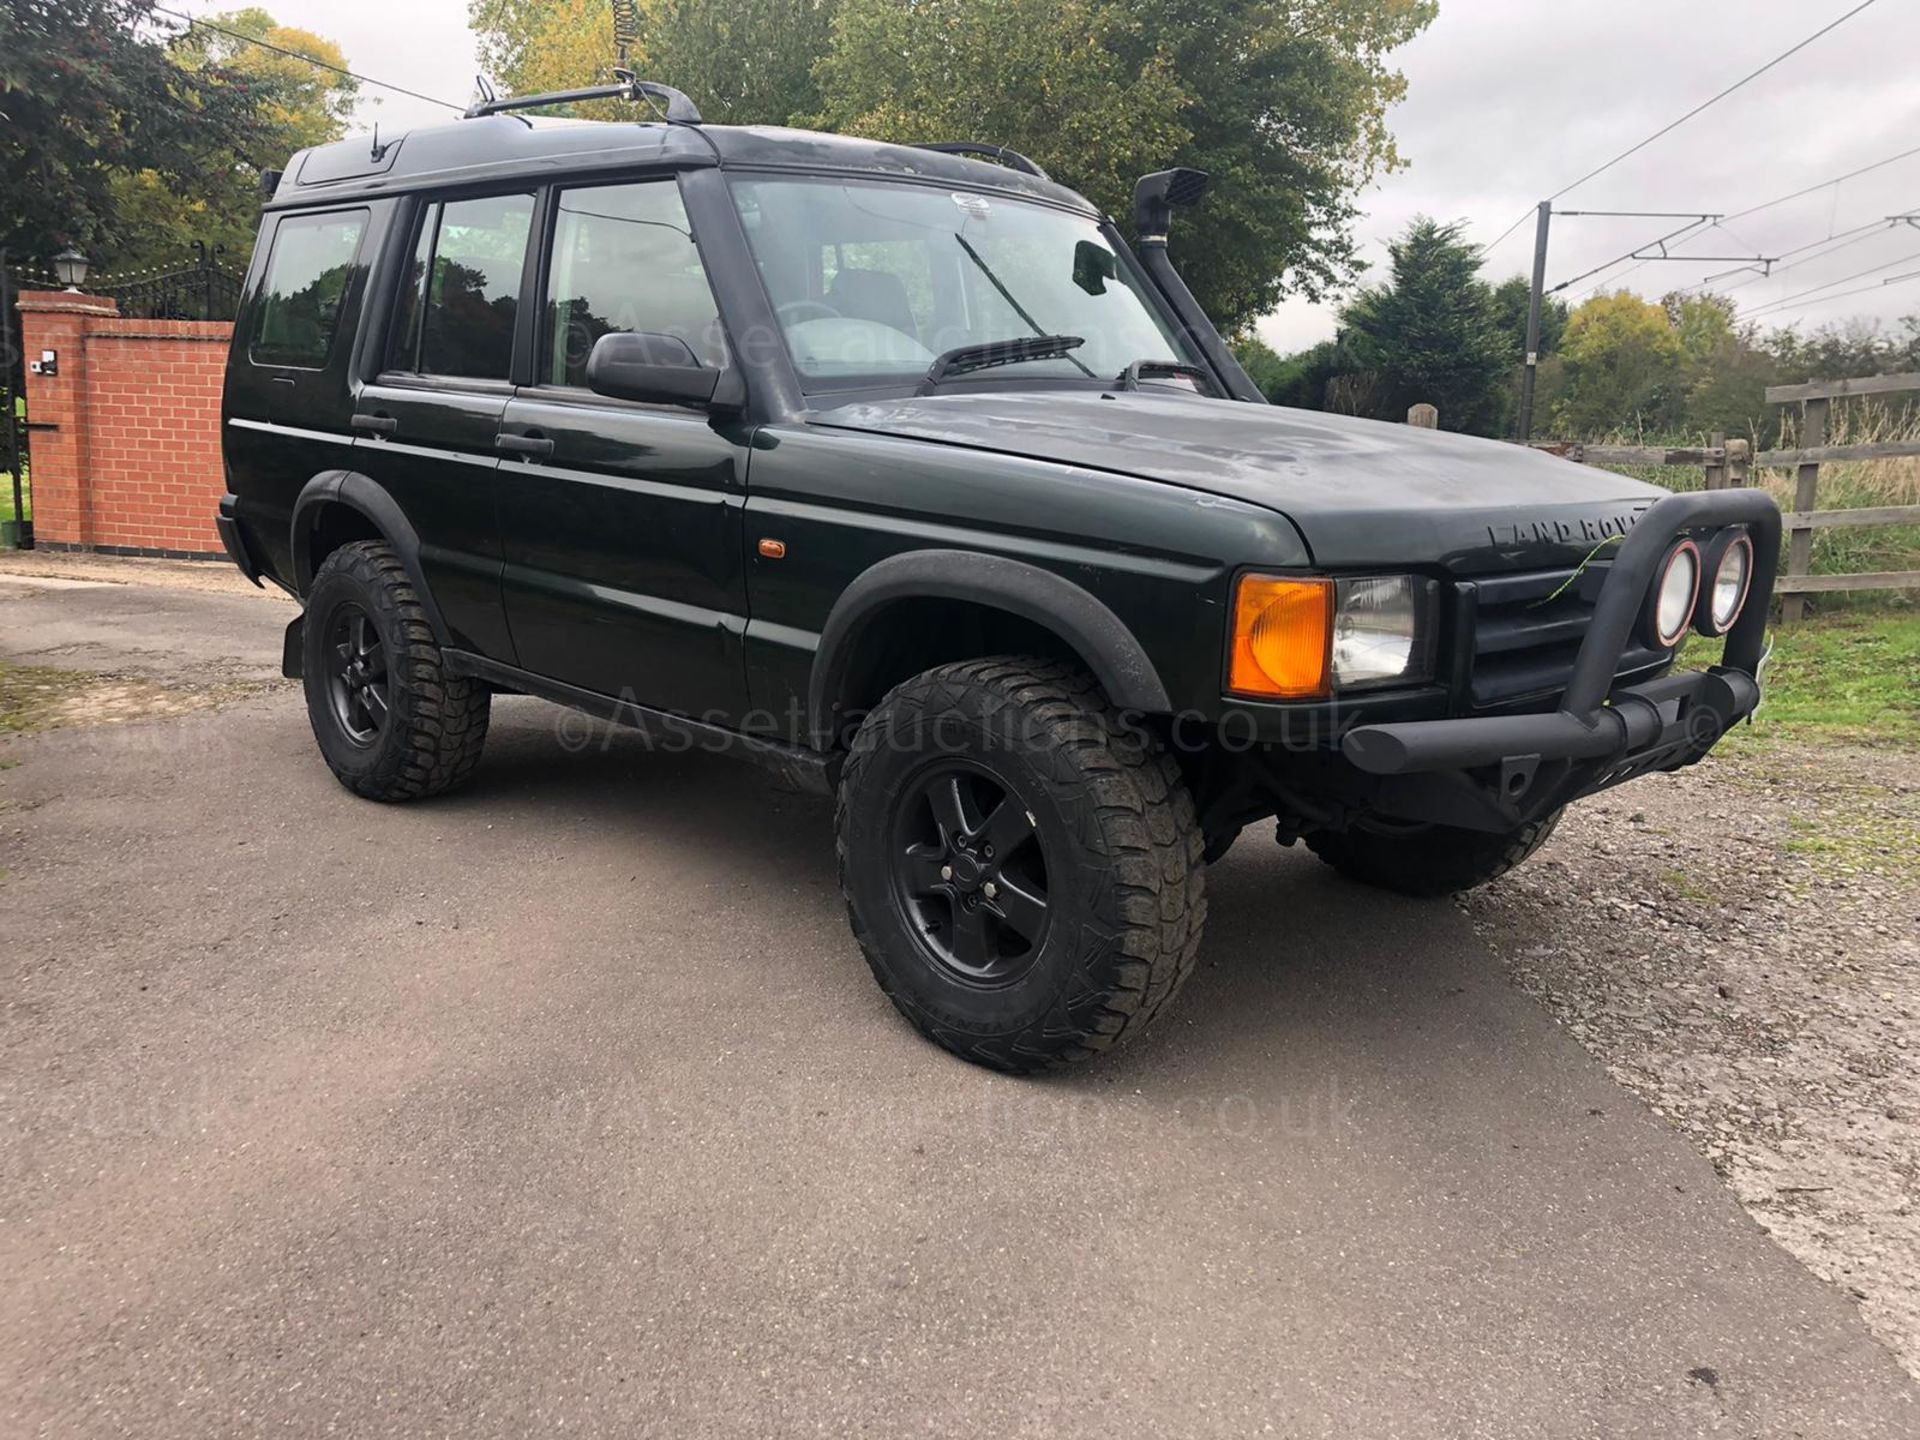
(390, 721)
(1431, 861)
(1021, 869)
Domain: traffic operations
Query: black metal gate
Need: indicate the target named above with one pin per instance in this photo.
(16, 484)
(205, 290)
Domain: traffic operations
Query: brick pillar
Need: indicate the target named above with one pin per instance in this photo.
(58, 408)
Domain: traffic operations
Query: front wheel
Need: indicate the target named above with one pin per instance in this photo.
(1022, 871)
(1428, 860)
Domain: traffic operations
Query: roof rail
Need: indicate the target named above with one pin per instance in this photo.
(680, 110)
(1001, 153)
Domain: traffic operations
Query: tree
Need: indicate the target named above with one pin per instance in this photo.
(742, 61)
(1511, 299)
(1846, 348)
(533, 45)
(1283, 101)
(1623, 368)
(295, 105)
(1432, 332)
(746, 62)
(1724, 368)
(1728, 391)
(1058, 80)
(1263, 364)
(89, 93)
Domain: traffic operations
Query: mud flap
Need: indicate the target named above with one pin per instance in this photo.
(293, 648)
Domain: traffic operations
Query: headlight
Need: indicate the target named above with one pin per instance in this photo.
(1300, 638)
(1380, 631)
(1729, 567)
(1670, 604)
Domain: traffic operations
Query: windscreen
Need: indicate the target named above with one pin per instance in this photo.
(873, 282)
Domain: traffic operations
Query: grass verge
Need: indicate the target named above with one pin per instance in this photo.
(32, 696)
(40, 697)
(6, 498)
(1851, 677)
(1865, 833)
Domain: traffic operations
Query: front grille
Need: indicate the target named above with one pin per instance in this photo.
(1525, 631)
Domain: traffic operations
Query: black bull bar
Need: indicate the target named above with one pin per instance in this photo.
(1600, 735)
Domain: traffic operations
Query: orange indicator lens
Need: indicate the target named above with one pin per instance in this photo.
(1282, 628)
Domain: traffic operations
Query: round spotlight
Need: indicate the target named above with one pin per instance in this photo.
(1729, 570)
(1670, 604)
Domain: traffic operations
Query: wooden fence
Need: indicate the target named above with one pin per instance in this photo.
(1804, 518)
(1727, 462)
(1731, 462)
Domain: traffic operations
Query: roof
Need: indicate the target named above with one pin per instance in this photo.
(502, 147)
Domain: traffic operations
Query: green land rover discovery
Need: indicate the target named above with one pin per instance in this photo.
(897, 470)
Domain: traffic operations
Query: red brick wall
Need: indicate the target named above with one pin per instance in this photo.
(133, 463)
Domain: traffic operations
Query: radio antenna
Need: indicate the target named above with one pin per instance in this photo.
(626, 28)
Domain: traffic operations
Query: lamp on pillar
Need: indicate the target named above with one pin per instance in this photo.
(70, 268)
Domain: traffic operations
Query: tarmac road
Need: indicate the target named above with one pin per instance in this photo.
(567, 1104)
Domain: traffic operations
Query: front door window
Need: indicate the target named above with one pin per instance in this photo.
(624, 260)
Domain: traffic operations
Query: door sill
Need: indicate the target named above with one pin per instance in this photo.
(811, 770)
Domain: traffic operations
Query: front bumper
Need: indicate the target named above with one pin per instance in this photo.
(1498, 772)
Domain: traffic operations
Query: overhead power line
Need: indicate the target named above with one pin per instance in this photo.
(1858, 232)
(1799, 194)
(1826, 245)
(1704, 105)
(1843, 280)
(1703, 225)
(1862, 290)
(1524, 216)
(1697, 226)
(1832, 245)
(1837, 180)
(193, 21)
(1715, 100)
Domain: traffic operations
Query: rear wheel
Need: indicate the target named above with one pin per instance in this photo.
(1021, 870)
(1428, 860)
(390, 721)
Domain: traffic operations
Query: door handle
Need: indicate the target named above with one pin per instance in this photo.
(375, 424)
(534, 447)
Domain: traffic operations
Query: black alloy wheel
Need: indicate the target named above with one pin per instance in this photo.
(970, 873)
(357, 681)
(1021, 864)
(392, 723)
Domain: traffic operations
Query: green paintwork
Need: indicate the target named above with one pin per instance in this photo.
(626, 563)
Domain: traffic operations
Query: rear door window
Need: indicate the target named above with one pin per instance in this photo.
(306, 281)
(462, 292)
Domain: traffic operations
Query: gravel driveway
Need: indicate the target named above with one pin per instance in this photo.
(1740, 944)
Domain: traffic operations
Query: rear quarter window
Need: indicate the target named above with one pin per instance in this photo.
(298, 308)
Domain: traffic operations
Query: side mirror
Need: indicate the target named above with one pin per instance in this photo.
(1093, 266)
(1156, 195)
(646, 366)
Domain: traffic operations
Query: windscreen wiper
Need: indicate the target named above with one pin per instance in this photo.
(1007, 295)
(986, 355)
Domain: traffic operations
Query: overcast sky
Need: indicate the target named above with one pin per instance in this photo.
(1508, 101)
